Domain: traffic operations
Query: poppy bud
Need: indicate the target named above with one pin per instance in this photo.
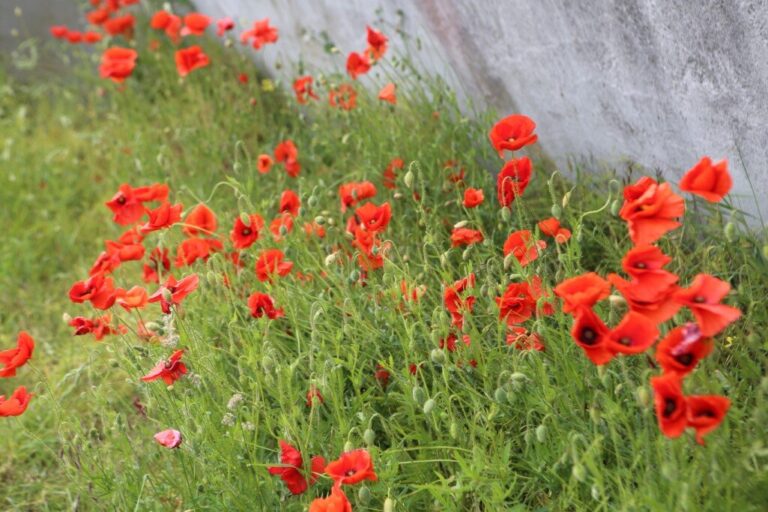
(541, 433)
(453, 430)
(668, 471)
(579, 472)
(245, 219)
(429, 405)
(211, 277)
(500, 395)
(642, 396)
(444, 259)
(267, 363)
(467, 253)
(418, 395)
(730, 231)
(348, 446)
(397, 195)
(460, 224)
(506, 214)
(518, 376)
(595, 491)
(364, 495)
(66, 317)
(566, 199)
(408, 178)
(615, 207)
(229, 43)
(389, 505)
(353, 276)
(765, 252)
(594, 415)
(438, 356)
(556, 211)
(283, 230)
(167, 295)
(237, 167)
(312, 201)
(320, 220)
(331, 222)
(369, 436)
(508, 260)
(331, 259)
(617, 301)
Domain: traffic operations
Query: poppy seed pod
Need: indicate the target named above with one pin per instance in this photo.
(429, 406)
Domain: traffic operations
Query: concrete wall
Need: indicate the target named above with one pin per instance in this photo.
(660, 82)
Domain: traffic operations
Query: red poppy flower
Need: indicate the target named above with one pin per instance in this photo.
(657, 305)
(170, 370)
(190, 59)
(121, 25)
(449, 342)
(343, 97)
(193, 249)
(97, 289)
(195, 24)
(523, 247)
(97, 16)
(92, 37)
(671, 407)
(16, 404)
(352, 467)
(170, 23)
(465, 236)
(352, 193)
(512, 133)
(290, 202)
(135, 298)
(712, 182)
(387, 93)
(389, 175)
(645, 263)
(127, 203)
(314, 396)
(335, 502)
(372, 218)
(201, 220)
(455, 304)
(164, 216)
(262, 304)
(517, 304)
(584, 290)
(551, 227)
(513, 179)
(521, 339)
(14, 358)
(634, 335)
(74, 37)
(169, 438)
(99, 326)
(705, 413)
(314, 228)
(173, 292)
(287, 153)
(372, 250)
(117, 63)
(158, 261)
(682, 349)
(262, 33)
(357, 64)
(454, 177)
(264, 163)
(59, 31)
(591, 334)
(160, 20)
(473, 197)
(651, 210)
(281, 226)
(244, 235)
(224, 25)
(271, 262)
(377, 43)
(291, 470)
(703, 299)
(302, 87)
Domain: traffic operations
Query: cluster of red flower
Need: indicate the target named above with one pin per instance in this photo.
(11, 360)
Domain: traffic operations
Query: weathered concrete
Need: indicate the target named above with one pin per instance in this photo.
(658, 82)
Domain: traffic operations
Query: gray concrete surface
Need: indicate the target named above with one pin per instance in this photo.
(659, 82)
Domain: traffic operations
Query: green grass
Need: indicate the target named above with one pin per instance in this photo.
(521, 431)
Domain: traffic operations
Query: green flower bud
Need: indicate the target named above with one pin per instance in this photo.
(467, 253)
(312, 201)
(500, 395)
(245, 218)
(541, 433)
(389, 505)
(506, 214)
(566, 199)
(418, 395)
(453, 430)
(364, 495)
(730, 232)
(369, 436)
(579, 472)
(615, 207)
(556, 211)
(429, 405)
(348, 446)
(408, 179)
(438, 356)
